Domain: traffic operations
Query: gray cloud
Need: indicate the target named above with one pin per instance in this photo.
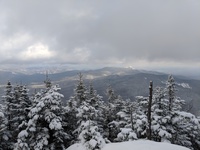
(100, 32)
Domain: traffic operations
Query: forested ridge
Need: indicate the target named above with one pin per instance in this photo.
(39, 120)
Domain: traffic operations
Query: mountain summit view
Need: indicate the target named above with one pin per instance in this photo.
(99, 75)
(126, 82)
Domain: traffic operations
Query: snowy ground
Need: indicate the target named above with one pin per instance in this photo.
(134, 145)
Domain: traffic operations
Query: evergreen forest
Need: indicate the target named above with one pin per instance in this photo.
(40, 120)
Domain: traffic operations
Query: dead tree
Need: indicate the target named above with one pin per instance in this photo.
(149, 110)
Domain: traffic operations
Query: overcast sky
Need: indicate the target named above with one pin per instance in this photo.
(138, 33)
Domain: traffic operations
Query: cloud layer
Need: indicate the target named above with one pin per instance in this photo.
(120, 32)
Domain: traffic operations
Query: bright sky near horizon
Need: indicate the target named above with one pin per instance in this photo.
(138, 33)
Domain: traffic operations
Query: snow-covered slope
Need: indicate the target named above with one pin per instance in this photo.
(134, 145)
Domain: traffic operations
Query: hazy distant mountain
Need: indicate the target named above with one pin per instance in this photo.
(126, 82)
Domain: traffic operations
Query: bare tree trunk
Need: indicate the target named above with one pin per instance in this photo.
(149, 110)
(131, 113)
(170, 102)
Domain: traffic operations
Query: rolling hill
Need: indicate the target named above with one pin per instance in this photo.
(126, 82)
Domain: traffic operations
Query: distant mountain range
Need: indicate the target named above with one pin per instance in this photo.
(126, 82)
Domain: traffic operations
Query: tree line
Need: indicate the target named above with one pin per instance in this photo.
(40, 121)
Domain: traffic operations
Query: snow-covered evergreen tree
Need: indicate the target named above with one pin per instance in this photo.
(174, 107)
(111, 127)
(24, 107)
(90, 136)
(169, 121)
(160, 116)
(70, 122)
(185, 129)
(171, 90)
(95, 100)
(125, 116)
(87, 107)
(118, 116)
(140, 117)
(4, 133)
(10, 113)
(8, 99)
(126, 134)
(88, 129)
(72, 108)
(80, 92)
(196, 139)
(44, 129)
(17, 111)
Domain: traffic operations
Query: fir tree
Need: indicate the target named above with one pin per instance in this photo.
(18, 116)
(170, 122)
(4, 133)
(44, 129)
(111, 127)
(71, 110)
(120, 113)
(170, 85)
(88, 129)
(80, 93)
(25, 104)
(140, 117)
(8, 99)
(160, 116)
(185, 130)
(116, 115)
(9, 114)
(125, 122)
(95, 100)
(87, 113)
(90, 136)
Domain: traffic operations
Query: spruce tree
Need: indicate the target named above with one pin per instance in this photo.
(4, 133)
(116, 117)
(170, 85)
(95, 100)
(9, 112)
(111, 128)
(71, 110)
(88, 129)
(25, 104)
(125, 122)
(140, 117)
(185, 130)
(18, 116)
(160, 117)
(44, 129)
(85, 104)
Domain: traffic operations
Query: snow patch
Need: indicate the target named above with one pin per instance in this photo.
(23, 133)
(184, 85)
(1, 115)
(134, 145)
